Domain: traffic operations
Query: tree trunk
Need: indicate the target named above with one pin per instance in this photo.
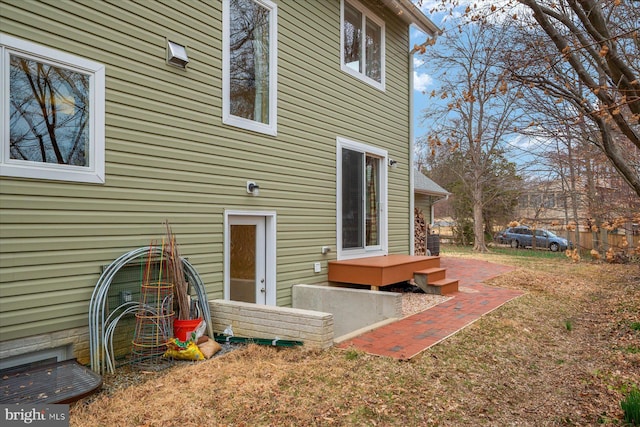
(594, 205)
(573, 190)
(478, 222)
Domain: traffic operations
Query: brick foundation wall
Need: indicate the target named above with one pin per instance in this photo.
(247, 320)
(77, 340)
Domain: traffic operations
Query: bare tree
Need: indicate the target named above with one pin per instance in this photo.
(587, 53)
(583, 52)
(476, 113)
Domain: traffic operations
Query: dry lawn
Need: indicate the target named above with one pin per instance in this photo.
(563, 354)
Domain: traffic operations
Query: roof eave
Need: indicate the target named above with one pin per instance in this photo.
(411, 14)
(432, 193)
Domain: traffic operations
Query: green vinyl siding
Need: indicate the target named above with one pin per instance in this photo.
(424, 202)
(168, 155)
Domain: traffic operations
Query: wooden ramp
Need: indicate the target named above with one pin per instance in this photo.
(59, 382)
(380, 271)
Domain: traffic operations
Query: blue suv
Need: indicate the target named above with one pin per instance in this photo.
(522, 236)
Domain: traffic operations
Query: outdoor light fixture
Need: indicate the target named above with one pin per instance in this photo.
(177, 55)
(253, 188)
(393, 164)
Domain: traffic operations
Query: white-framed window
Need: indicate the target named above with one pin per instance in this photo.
(52, 108)
(361, 200)
(362, 43)
(249, 65)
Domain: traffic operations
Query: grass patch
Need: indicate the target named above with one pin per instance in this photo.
(631, 408)
(351, 354)
(499, 250)
(635, 326)
(568, 324)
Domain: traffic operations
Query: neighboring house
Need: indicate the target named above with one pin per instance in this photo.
(549, 203)
(598, 202)
(426, 194)
(171, 110)
(552, 203)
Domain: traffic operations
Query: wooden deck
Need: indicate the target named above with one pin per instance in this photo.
(380, 270)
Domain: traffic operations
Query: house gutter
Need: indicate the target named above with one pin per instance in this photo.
(442, 199)
(412, 14)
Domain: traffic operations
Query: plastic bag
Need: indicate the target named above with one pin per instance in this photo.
(200, 330)
(183, 350)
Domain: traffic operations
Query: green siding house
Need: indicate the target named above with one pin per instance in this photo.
(426, 194)
(264, 124)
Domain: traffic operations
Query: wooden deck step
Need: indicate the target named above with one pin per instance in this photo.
(434, 281)
(441, 287)
(426, 276)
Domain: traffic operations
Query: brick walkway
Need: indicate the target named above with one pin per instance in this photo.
(412, 335)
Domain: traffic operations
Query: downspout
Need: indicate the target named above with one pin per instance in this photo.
(412, 236)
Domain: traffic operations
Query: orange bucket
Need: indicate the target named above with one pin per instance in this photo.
(182, 328)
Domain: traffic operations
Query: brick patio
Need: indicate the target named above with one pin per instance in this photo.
(412, 335)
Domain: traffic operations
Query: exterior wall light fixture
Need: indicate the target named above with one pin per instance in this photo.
(177, 55)
(253, 188)
(393, 163)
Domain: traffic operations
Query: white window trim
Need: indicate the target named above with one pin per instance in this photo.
(270, 128)
(95, 172)
(367, 251)
(366, 13)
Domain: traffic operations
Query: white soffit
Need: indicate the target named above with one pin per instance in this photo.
(411, 14)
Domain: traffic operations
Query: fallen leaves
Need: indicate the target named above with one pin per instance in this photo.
(517, 365)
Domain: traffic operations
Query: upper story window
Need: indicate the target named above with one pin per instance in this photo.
(362, 43)
(52, 113)
(249, 83)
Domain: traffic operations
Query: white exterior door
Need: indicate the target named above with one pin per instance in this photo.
(250, 257)
(247, 275)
